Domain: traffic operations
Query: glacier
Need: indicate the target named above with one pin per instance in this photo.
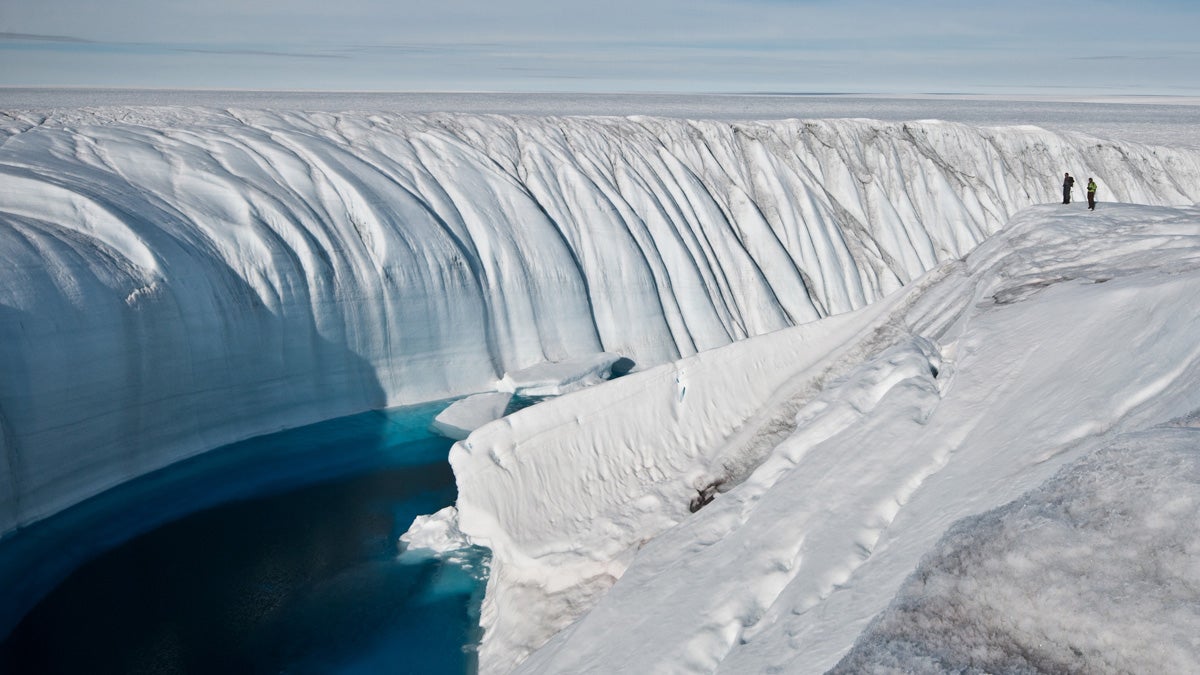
(181, 278)
(847, 335)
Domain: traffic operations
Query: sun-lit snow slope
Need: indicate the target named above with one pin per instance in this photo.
(175, 279)
(842, 450)
(1093, 572)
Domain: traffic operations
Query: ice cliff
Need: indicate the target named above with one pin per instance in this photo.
(175, 279)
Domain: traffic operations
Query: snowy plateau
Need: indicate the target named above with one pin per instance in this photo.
(893, 408)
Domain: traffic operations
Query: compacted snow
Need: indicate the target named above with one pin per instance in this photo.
(847, 336)
(842, 450)
(1094, 571)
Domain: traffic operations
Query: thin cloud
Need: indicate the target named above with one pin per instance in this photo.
(34, 37)
(255, 52)
(223, 51)
(1119, 57)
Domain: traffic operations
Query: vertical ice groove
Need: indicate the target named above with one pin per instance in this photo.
(746, 281)
(638, 178)
(720, 229)
(603, 229)
(688, 190)
(659, 213)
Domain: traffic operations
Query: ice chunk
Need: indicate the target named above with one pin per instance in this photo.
(466, 415)
(437, 533)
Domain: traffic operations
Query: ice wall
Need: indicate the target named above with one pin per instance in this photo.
(176, 279)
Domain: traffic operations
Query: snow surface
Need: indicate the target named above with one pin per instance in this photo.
(1157, 120)
(827, 459)
(177, 278)
(1095, 571)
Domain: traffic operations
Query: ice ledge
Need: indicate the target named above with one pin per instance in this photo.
(555, 378)
(542, 380)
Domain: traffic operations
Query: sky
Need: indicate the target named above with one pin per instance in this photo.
(669, 46)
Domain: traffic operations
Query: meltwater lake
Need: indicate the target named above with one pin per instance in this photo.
(273, 555)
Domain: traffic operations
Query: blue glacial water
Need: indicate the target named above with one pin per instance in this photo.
(273, 555)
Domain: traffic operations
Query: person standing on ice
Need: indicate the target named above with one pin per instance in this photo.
(1091, 194)
(1068, 183)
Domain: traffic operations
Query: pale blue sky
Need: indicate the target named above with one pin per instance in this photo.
(921, 46)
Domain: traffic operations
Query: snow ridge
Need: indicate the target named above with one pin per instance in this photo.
(966, 390)
(177, 279)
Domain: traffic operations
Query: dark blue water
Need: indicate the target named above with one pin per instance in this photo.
(274, 555)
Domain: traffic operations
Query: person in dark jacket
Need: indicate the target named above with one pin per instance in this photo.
(1068, 183)
(1091, 194)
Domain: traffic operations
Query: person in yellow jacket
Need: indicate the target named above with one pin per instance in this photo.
(1091, 194)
